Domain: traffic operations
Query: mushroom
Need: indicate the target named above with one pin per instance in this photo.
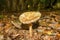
(29, 18)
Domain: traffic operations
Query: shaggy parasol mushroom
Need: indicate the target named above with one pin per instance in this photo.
(29, 18)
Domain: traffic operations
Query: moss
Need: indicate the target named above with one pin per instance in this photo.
(1, 16)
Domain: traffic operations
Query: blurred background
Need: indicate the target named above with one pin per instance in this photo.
(28, 5)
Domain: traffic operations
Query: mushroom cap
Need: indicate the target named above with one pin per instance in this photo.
(29, 17)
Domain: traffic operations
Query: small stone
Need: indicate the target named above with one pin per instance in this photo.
(1, 24)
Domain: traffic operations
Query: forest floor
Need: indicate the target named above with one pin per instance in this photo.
(47, 27)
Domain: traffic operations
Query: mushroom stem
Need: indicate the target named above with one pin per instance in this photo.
(30, 29)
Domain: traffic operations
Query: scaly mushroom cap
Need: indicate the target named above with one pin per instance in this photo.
(29, 17)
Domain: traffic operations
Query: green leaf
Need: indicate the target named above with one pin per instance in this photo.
(1, 16)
